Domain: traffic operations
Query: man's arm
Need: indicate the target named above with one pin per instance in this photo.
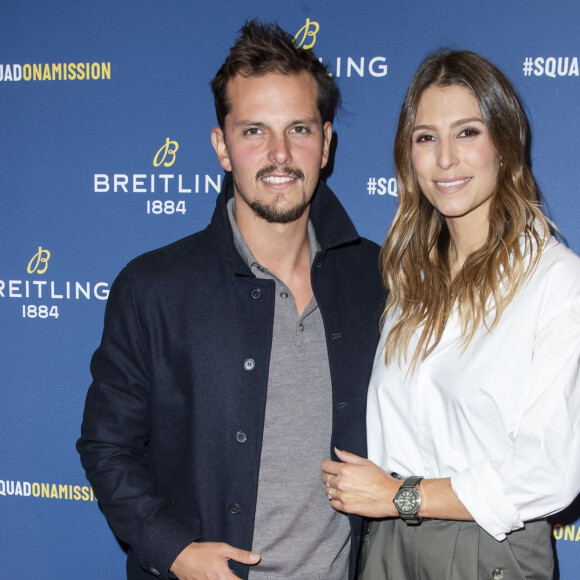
(115, 438)
(116, 451)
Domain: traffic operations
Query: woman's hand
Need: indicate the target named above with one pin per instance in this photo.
(358, 486)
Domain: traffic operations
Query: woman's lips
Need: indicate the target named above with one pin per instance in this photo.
(451, 185)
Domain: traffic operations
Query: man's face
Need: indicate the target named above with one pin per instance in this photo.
(274, 143)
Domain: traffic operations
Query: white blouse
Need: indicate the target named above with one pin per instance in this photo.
(501, 418)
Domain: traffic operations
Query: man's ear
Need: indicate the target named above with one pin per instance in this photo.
(327, 138)
(219, 144)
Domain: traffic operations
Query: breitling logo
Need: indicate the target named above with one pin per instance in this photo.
(306, 36)
(169, 148)
(39, 262)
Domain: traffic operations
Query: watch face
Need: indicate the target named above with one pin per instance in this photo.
(406, 501)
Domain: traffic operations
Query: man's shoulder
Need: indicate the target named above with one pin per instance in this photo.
(177, 254)
(188, 263)
(357, 264)
(369, 246)
(361, 249)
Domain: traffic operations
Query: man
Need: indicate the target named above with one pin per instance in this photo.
(234, 360)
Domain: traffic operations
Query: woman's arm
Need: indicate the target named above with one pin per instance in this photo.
(361, 487)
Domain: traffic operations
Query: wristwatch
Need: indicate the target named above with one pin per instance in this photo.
(407, 500)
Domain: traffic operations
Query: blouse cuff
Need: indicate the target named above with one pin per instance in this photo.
(480, 489)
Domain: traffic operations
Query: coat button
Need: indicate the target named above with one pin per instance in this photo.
(497, 574)
(235, 508)
(241, 437)
(256, 293)
(249, 364)
(154, 571)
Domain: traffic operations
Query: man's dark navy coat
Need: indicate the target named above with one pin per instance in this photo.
(172, 387)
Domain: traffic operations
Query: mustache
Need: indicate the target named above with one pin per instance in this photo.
(291, 171)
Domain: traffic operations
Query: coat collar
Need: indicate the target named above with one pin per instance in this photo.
(332, 224)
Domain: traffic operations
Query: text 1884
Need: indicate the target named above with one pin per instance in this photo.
(42, 311)
(168, 207)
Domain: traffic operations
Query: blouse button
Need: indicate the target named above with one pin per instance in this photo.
(283, 294)
(497, 574)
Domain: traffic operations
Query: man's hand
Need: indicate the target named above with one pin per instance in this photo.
(209, 561)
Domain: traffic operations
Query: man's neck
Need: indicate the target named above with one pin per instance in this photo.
(275, 245)
(284, 249)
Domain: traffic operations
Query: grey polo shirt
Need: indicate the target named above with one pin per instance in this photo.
(296, 531)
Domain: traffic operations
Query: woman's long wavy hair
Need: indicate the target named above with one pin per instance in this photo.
(415, 256)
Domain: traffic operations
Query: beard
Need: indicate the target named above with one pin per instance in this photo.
(270, 211)
(275, 215)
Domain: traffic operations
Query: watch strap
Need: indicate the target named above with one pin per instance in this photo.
(412, 481)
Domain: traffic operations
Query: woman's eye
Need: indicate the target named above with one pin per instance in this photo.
(469, 132)
(424, 138)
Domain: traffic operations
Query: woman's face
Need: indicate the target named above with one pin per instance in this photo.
(454, 160)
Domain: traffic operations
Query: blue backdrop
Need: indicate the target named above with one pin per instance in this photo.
(105, 119)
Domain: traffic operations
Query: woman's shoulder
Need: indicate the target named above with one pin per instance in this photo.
(557, 254)
(558, 272)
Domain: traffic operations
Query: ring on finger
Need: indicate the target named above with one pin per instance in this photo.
(330, 494)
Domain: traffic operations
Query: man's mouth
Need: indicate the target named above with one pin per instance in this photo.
(279, 175)
(277, 180)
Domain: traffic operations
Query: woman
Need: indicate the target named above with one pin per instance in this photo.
(475, 393)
